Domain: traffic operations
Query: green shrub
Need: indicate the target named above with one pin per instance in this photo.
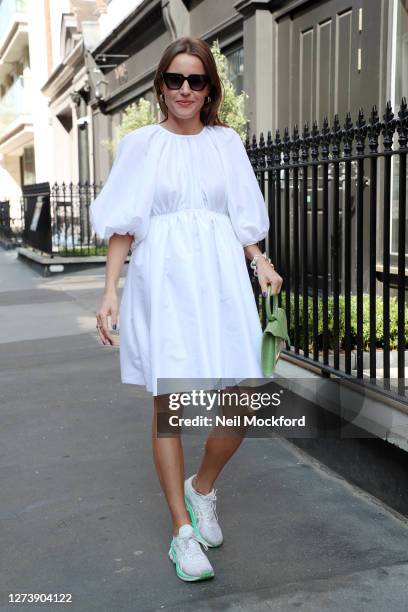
(379, 331)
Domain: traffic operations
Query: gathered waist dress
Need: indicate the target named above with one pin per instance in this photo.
(187, 317)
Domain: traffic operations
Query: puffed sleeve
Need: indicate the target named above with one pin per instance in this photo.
(124, 203)
(246, 205)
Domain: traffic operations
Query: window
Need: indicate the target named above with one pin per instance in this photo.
(235, 68)
(28, 166)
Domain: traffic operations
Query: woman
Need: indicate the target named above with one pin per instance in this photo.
(183, 196)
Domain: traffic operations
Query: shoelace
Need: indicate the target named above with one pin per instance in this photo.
(207, 509)
(192, 544)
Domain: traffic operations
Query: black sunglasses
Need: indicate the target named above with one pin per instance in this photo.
(174, 80)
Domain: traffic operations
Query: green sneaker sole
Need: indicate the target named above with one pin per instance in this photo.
(195, 526)
(183, 575)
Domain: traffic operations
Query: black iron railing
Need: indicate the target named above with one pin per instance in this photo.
(11, 228)
(72, 233)
(56, 218)
(336, 197)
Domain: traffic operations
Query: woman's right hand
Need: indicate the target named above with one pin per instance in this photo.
(108, 307)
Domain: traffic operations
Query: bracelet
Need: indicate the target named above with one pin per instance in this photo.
(254, 261)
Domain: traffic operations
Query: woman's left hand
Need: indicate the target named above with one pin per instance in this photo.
(267, 275)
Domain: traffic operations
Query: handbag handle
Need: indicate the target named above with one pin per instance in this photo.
(270, 313)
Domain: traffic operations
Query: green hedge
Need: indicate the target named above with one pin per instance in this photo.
(353, 323)
(83, 251)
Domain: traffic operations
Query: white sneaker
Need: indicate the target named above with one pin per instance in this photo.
(202, 509)
(185, 551)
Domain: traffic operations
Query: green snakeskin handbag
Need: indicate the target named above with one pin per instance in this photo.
(274, 335)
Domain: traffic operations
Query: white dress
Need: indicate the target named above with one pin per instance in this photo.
(187, 311)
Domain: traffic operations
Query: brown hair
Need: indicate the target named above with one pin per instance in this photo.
(201, 49)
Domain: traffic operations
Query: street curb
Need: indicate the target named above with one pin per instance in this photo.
(50, 265)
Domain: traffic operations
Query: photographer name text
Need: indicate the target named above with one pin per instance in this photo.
(236, 421)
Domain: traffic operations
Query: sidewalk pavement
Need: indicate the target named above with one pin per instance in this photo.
(82, 511)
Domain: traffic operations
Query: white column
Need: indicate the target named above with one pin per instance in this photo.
(39, 75)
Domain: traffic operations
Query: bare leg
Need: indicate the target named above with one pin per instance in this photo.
(221, 444)
(217, 453)
(169, 461)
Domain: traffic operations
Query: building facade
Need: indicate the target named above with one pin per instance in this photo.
(69, 69)
(297, 60)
